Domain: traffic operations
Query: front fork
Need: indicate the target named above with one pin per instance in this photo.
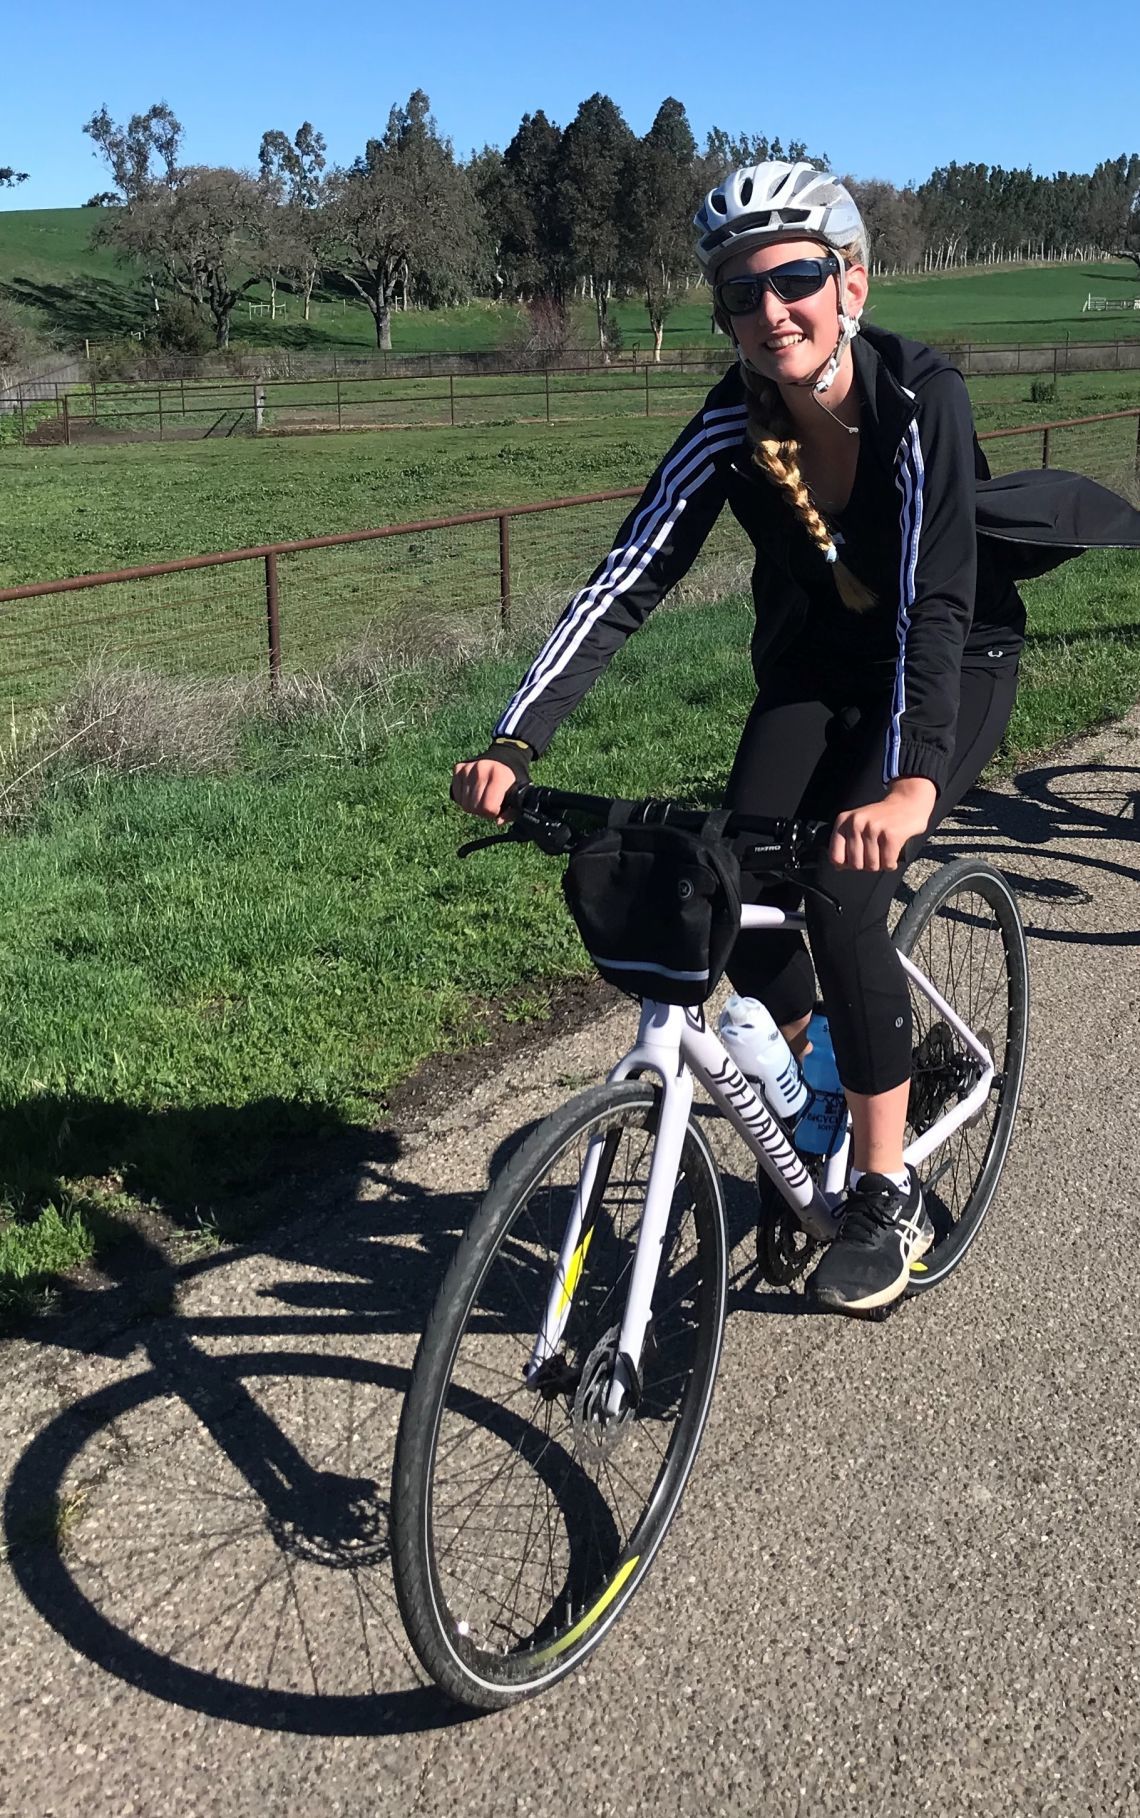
(668, 1038)
(658, 1050)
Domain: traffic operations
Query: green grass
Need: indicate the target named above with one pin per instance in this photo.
(199, 969)
(83, 510)
(79, 510)
(48, 264)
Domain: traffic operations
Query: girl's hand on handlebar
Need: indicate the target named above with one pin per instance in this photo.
(479, 786)
(872, 838)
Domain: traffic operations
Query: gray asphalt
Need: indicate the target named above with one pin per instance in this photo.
(903, 1576)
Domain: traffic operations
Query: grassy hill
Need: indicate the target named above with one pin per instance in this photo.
(73, 290)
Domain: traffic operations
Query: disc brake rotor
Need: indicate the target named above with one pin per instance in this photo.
(598, 1434)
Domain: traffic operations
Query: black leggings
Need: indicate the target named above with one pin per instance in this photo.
(815, 751)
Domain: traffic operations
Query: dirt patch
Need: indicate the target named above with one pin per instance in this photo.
(439, 1081)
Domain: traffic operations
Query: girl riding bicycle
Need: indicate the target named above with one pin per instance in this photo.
(887, 637)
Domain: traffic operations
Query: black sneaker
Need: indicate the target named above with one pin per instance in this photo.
(882, 1231)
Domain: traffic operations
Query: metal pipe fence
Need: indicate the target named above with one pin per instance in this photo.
(288, 609)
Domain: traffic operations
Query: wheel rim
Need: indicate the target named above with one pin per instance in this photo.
(963, 948)
(540, 1512)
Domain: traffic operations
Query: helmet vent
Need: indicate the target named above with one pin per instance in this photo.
(746, 191)
(717, 201)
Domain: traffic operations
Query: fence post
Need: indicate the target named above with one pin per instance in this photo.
(546, 376)
(273, 619)
(451, 396)
(505, 570)
(66, 422)
(647, 388)
(24, 427)
(1045, 448)
(182, 394)
(339, 424)
(161, 429)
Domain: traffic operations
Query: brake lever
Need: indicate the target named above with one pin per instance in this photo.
(824, 895)
(790, 853)
(554, 837)
(493, 839)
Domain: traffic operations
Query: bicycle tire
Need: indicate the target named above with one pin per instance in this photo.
(939, 932)
(485, 1657)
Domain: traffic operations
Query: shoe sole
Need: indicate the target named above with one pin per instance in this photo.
(884, 1297)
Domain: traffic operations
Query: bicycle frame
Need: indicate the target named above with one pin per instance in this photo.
(677, 1045)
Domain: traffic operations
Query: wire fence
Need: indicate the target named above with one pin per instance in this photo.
(417, 589)
(458, 391)
(198, 410)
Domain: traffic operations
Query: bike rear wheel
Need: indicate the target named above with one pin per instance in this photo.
(964, 931)
(524, 1518)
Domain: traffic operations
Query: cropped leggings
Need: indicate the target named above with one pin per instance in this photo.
(813, 751)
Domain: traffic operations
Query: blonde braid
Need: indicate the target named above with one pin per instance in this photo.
(776, 453)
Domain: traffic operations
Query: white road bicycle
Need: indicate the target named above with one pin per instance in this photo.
(565, 1375)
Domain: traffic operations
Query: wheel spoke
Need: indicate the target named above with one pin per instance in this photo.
(965, 934)
(531, 1496)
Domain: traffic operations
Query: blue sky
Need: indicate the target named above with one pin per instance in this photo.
(889, 90)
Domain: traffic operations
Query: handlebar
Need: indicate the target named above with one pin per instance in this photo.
(558, 820)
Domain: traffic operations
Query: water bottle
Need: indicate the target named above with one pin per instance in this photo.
(763, 1056)
(821, 1128)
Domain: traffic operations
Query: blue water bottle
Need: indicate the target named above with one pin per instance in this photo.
(821, 1127)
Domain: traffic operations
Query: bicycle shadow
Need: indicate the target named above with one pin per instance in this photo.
(1043, 838)
(200, 1528)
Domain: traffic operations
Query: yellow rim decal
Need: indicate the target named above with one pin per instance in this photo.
(918, 1268)
(588, 1620)
(573, 1272)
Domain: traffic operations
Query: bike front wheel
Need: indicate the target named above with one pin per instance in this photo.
(524, 1516)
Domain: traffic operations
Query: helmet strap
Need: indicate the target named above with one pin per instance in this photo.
(825, 376)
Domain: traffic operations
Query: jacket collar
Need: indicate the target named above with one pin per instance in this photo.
(888, 407)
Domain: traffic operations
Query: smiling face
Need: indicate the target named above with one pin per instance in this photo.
(789, 342)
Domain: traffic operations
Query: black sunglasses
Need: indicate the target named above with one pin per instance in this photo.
(791, 283)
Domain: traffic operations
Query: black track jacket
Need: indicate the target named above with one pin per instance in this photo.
(947, 606)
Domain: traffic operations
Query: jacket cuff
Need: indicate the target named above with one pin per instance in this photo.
(515, 753)
(918, 759)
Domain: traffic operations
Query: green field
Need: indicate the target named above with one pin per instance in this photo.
(48, 265)
(201, 969)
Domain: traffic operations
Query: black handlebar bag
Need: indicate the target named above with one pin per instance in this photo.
(657, 907)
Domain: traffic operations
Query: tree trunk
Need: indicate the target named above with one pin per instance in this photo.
(658, 333)
(273, 296)
(310, 281)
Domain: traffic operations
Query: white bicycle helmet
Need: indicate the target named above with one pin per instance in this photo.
(778, 201)
(764, 203)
